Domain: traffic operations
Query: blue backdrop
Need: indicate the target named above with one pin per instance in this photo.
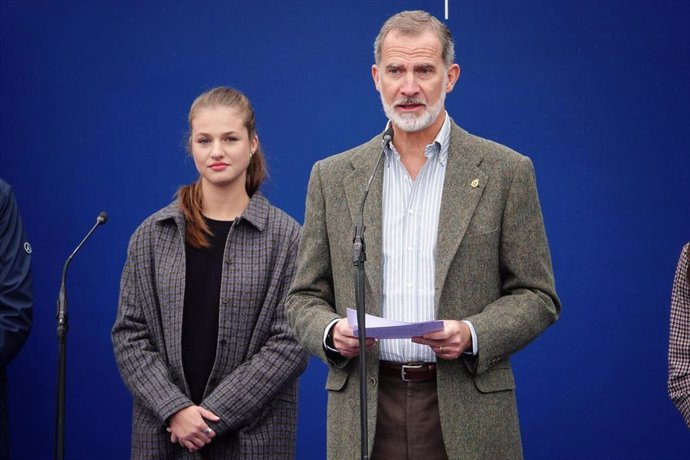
(93, 105)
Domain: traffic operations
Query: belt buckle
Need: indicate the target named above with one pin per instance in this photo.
(404, 367)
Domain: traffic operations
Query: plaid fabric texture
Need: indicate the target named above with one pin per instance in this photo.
(253, 384)
(679, 341)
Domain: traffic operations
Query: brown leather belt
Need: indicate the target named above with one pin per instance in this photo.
(409, 372)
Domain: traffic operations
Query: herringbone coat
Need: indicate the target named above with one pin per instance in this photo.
(493, 267)
(679, 337)
(252, 386)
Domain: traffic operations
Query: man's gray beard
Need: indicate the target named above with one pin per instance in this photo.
(410, 122)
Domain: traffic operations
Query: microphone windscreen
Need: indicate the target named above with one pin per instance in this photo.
(388, 133)
(102, 218)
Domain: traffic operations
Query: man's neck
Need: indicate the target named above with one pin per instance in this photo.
(413, 143)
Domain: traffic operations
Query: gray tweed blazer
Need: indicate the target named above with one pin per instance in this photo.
(253, 384)
(493, 268)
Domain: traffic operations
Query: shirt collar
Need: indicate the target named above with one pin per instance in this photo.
(439, 146)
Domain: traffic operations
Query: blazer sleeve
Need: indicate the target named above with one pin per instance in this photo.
(310, 303)
(241, 396)
(679, 340)
(528, 302)
(15, 278)
(141, 364)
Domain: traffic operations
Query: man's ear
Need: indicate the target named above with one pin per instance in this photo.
(453, 74)
(376, 77)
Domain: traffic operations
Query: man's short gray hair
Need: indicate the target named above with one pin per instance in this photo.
(415, 23)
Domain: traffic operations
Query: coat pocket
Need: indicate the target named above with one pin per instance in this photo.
(337, 379)
(496, 379)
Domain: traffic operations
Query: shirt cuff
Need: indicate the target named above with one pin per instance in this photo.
(325, 335)
(475, 347)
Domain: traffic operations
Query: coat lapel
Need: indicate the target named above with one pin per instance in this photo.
(172, 278)
(463, 187)
(178, 301)
(363, 164)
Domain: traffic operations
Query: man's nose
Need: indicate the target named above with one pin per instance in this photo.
(410, 86)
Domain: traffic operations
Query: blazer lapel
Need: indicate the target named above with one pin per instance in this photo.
(363, 164)
(463, 187)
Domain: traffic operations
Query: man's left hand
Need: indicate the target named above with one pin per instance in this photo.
(449, 343)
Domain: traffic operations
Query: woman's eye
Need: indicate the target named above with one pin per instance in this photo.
(202, 141)
(230, 139)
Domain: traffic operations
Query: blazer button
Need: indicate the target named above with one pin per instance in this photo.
(223, 342)
(372, 381)
(225, 301)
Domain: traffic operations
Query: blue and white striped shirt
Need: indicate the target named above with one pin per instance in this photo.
(410, 228)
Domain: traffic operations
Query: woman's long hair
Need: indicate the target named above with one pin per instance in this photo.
(189, 196)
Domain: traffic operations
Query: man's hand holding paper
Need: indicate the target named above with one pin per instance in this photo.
(449, 343)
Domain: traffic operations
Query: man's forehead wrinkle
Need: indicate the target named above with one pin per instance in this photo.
(401, 52)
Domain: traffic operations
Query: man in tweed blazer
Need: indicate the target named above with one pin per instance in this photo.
(679, 341)
(491, 278)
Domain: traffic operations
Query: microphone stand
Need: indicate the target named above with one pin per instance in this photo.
(62, 345)
(359, 256)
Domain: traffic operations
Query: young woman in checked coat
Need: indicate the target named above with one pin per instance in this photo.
(201, 338)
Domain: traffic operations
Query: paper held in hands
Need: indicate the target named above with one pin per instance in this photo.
(381, 328)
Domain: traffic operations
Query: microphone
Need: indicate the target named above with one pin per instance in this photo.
(62, 298)
(358, 242)
(386, 137)
(62, 345)
(388, 134)
(358, 258)
(102, 218)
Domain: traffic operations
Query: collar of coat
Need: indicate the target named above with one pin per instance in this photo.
(255, 214)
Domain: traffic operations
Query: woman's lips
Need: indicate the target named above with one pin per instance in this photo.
(218, 166)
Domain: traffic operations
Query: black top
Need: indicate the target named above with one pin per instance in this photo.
(201, 306)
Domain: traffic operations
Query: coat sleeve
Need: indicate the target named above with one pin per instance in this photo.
(528, 302)
(15, 278)
(241, 396)
(311, 301)
(679, 341)
(141, 364)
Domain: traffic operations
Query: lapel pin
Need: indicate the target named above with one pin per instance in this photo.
(475, 183)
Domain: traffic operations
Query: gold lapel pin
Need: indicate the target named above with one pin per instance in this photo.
(475, 183)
